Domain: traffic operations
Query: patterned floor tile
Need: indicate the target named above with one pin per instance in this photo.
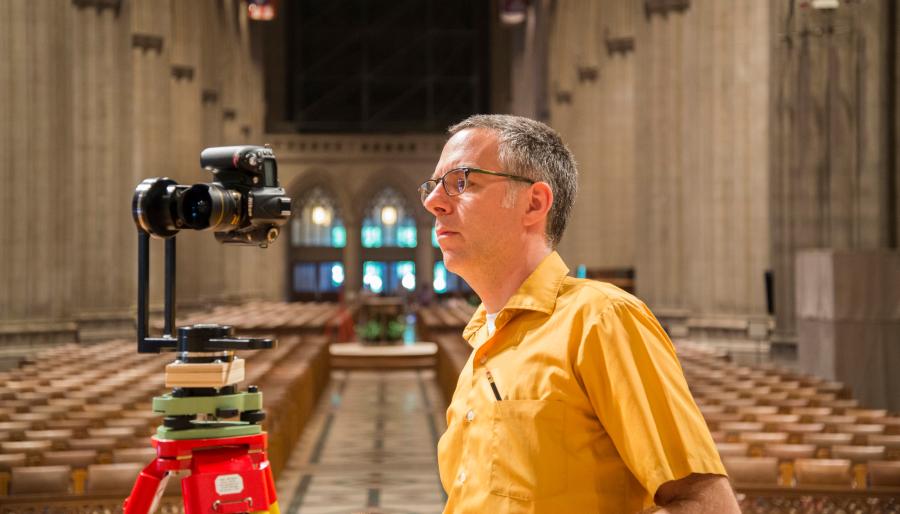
(370, 447)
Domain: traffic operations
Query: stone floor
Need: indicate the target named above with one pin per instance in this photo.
(370, 448)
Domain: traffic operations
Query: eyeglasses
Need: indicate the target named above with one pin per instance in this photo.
(456, 180)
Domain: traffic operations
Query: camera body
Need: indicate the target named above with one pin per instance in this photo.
(244, 204)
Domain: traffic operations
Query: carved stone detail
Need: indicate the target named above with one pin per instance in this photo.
(209, 96)
(147, 42)
(181, 71)
(99, 4)
(587, 73)
(664, 7)
(620, 44)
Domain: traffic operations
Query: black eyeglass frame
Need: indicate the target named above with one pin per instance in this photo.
(424, 191)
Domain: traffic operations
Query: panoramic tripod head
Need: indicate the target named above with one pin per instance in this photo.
(244, 205)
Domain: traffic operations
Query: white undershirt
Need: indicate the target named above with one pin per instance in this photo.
(490, 322)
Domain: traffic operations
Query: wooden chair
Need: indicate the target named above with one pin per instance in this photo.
(834, 420)
(38, 420)
(795, 431)
(93, 443)
(15, 429)
(12, 460)
(732, 449)
(55, 411)
(786, 455)
(33, 449)
(756, 440)
(715, 419)
(60, 438)
(842, 405)
(72, 458)
(112, 478)
(790, 451)
(866, 415)
(119, 433)
(752, 412)
(40, 479)
(884, 474)
(773, 420)
(860, 431)
(788, 404)
(140, 455)
(807, 413)
(824, 441)
(733, 428)
(77, 426)
(890, 442)
(891, 424)
(859, 456)
(834, 472)
(744, 471)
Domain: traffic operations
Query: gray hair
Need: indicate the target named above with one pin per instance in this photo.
(531, 149)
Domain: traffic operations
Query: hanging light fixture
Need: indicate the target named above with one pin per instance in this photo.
(389, 215)
(321, 215)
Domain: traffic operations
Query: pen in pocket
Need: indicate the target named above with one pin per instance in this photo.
(493, 385)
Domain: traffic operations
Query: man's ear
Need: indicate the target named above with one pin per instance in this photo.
(540, 199)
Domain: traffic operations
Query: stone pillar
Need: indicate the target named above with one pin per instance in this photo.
(848, 321)
(829, 167)
(424, 261)
(353, 259)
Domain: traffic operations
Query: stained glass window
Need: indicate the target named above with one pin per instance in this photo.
(389, 277)
(388, 222)
(319, 222)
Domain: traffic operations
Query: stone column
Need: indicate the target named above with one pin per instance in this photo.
(424, 261)
(848, 321)
(353, 259)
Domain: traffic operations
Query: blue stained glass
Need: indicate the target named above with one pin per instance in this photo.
(374, 276)
(440, 277)
(338, 236)
(406, 236)
(371, 236)
(337, 274)
(404, 275)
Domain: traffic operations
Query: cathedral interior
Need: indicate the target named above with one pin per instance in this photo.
(738, 172)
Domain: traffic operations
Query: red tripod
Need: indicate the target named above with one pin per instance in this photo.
(228, 475)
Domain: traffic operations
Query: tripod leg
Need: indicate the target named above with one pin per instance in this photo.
(270, 486)
(148, 489)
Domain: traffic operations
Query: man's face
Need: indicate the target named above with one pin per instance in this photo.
(480, 225)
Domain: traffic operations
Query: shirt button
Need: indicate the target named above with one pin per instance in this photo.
(462, 477)
(470, 415)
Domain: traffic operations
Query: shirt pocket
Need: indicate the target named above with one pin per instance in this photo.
(528, 454)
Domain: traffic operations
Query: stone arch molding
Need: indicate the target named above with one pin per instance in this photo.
(327, 181)
(400, 182)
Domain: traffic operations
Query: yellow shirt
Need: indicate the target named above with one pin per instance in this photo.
(595, 412)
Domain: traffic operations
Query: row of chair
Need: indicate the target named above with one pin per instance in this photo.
(76, 418)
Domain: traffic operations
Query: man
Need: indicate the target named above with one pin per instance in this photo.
(572, 400)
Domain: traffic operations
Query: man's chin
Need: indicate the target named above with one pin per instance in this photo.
(452, 261)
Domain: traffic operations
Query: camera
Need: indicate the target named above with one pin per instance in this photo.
(244, 204)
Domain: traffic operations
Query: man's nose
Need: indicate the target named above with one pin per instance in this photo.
(437, 201)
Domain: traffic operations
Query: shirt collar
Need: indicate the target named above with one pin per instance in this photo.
(537, 293)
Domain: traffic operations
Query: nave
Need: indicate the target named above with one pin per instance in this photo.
(370, 447)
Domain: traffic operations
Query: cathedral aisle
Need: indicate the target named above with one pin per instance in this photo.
(370, 447)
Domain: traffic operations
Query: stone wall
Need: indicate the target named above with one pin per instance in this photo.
(97, 96)
(665, 106)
